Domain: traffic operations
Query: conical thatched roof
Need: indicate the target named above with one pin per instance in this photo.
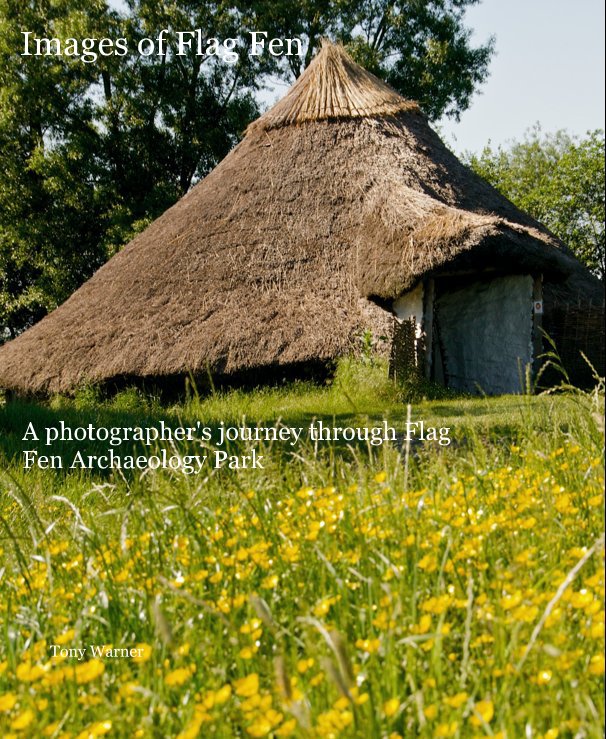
(338, 198)
(334, 86)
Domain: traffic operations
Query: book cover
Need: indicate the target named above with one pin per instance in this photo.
(302, 357)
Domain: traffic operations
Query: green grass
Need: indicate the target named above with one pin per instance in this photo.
(343, 590)
(360, 394)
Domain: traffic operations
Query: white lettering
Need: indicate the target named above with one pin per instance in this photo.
(30, 433)
(257, 46)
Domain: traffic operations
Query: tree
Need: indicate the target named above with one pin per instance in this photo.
(92, 152)
(422, 49)
(559, 180)
(49, 208)
(171, 118)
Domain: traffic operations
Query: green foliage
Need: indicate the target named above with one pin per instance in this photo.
(413, 388)
(423, 50)
(93, 152)
(558, 179)
(49, 209)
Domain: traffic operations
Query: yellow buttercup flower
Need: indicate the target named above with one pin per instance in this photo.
(222, 695)
(456, 701)
(66, 637)
(7, 701)
(483, 713)
(304, 664)
(51, 728)
(100, 728)
(178, 677)
(511, 601)
(23, 720)
(287, 729)
(391, 706)
(192, 730)
(271, 581)
(581, 599)
(446, 730)
(370, 646)
(26, 672)
(89, 671)
(431, 711)
(247, 686)
(143, 654)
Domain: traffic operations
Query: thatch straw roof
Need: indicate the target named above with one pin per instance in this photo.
(338, 198)
(334, 86)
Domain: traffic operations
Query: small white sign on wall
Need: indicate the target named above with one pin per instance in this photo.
(538, 307)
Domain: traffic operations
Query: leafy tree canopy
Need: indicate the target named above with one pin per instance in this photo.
(423, 49)
(93, 152)
(559, 180)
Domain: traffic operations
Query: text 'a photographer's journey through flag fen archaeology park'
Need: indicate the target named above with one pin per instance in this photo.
(316, 451)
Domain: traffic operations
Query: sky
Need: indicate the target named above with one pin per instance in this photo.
(548, 68)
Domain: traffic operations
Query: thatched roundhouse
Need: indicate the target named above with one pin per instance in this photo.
(340, 208)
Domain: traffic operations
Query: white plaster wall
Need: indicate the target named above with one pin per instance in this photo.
(410, 306)
(486, 333)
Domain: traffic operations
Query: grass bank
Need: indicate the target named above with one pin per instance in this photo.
(343, 590)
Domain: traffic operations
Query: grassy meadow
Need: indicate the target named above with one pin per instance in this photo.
(342, 591)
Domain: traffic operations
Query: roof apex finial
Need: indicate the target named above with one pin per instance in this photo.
(334, 87)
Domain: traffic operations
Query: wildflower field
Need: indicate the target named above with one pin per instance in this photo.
(342, 591)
